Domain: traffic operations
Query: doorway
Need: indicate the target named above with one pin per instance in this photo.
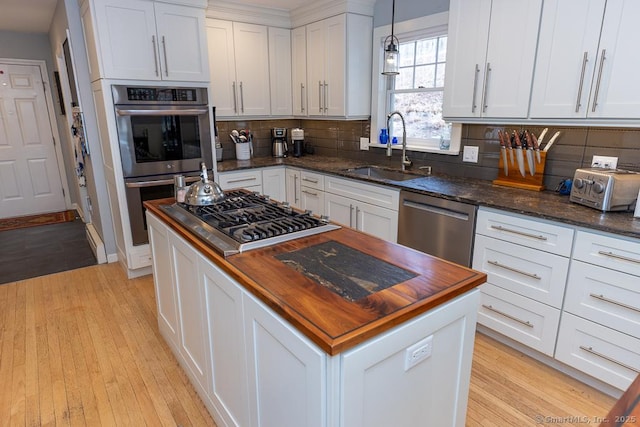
(32, 175)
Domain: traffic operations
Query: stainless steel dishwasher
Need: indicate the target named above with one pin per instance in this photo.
(439, 227)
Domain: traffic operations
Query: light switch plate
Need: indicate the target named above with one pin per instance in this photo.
(364, 144)
(470, 154)
(604, 162)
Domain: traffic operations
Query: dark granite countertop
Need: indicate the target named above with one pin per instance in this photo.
(544, 204)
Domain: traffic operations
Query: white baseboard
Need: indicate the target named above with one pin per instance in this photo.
(96, 243)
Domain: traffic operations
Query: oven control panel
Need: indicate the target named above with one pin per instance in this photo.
(159, 95)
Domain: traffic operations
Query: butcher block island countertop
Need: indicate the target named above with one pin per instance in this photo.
(415, 282)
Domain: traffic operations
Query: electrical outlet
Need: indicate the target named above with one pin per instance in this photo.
(418, 352)
(604, 162)
(364, 144)
(470, 154)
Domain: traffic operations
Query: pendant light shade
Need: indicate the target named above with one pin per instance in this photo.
(391, 43)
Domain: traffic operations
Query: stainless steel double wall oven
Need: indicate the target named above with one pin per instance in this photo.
(162, 132)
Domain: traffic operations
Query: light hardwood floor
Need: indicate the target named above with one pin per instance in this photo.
(83, 348)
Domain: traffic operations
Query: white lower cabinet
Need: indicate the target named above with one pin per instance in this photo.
(520, 318)
(286, 372)
(273, 183)
(368, 208)
(603, 353)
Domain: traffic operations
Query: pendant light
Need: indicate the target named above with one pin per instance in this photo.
(390, 67)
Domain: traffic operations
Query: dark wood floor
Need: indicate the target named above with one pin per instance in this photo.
(45, 249)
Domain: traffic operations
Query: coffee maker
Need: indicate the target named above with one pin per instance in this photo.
(297, 140)
(279, 146)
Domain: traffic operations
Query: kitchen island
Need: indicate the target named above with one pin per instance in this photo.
(268, 338)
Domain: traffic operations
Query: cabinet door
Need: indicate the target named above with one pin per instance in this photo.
(127, 40)
(335, 66)
(510, 57)
(252, 69)
(339, 209)
(226, 336)
(299, 70)
(222, 67)
(241, 179)
(377, 221)
(273, 183)
(316, 78)
(280, 71)
(566, 60)
(286, 371)
(616, 88)
(183, 43)
(162, 279)
(193, 344)
(466, 53)
(292, 185)
(312, 199)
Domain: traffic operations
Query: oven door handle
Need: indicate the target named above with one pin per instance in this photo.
(155, 183)
(163, 112)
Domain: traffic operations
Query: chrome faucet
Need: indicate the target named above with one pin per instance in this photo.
(406, 163)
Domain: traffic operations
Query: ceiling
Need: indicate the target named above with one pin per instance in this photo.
(35, 16)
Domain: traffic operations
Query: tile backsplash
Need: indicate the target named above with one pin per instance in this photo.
(573, 149)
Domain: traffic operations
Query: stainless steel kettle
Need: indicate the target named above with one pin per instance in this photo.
(204, 192)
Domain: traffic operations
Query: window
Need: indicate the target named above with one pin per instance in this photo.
(417, 92)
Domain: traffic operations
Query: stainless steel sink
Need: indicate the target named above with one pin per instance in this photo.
(381, 173)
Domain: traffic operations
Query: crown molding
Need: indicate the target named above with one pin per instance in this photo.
(251, 14)
(323, 9)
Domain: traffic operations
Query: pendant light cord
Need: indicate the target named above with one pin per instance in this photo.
(393, 17)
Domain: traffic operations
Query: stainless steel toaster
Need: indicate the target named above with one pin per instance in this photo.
(605, 189)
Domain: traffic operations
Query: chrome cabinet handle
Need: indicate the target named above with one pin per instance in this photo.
(315, 181)
(235, 98)
(351, 216)
(301, 97)
(320, 95)
(595, 95)
(310, 193)
(520, 233)
(508, 316)
(146, 184)
(616, 256)
(232, 181)
(596, 353)
(295, 189)
(166, 63)
(621, 304)
(485, 104)
(241, 98)
(584, 67)
(326, 96)
(475, 88)
(357, 214)
(155, 53)
(515, 270)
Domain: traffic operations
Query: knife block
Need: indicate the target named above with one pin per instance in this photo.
(513, 178)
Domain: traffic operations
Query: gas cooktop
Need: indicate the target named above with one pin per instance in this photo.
(245, 220)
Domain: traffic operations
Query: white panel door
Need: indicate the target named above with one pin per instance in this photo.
(334, 91)
(29, 176)
(280, 71)
(251, 44)
(316, 78)
(299, 70)
(222, 67)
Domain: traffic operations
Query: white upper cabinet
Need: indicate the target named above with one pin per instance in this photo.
(587, 60)
(239, 64)
(490, 58)
(280, 71)
(299, 71)
(338, 66)
(144, 40)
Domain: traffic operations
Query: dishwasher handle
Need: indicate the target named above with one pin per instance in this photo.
(436, 210)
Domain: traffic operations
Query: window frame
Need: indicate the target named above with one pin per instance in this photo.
(423, 27)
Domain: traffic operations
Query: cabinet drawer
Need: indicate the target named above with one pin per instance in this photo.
(525, 271)
(607, 251)
(312, 180)
(527, 321)
(526, 232)
(607, 297)
(603, 353)
(373, 194)
(242, 179)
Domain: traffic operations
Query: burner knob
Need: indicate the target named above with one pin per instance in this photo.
(324, 218)
(578, 182)
(285, 204)
(598, 187)
(308, 212)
